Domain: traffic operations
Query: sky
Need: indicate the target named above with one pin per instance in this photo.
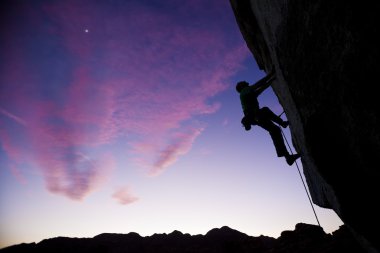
(121, 116)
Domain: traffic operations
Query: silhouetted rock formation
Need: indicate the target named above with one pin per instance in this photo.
(305, 238)
(326, 56)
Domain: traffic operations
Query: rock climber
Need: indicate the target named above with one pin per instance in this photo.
(263, 117)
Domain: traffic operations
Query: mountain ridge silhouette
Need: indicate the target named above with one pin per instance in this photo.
(305, 238)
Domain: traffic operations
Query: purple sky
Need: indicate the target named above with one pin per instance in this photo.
(129, 107)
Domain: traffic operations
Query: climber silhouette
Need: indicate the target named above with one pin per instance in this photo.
(263, 117)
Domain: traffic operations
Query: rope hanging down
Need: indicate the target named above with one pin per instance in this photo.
(299, 172)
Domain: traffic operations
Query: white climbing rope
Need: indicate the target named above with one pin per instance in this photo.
(299, 172)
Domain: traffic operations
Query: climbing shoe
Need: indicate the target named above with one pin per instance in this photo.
(290, 159)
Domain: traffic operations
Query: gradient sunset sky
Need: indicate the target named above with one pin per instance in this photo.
(121, 116)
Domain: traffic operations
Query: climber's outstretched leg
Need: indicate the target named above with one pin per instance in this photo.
(278, 141)
(275, 133)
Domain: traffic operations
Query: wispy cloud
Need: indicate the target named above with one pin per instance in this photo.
(141, 75)
(12, 116)
(75, 175)
(225, 122)
(124, 196)
(18, 174)
(180, 145)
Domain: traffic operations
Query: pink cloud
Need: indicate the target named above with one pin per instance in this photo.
(124, 196)
(76, 176)
(12, 116)
(179, 146)
(139, 76)
(10, 145)
(18, 174)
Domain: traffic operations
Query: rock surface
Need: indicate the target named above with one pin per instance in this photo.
(305, 238)
(326, 56)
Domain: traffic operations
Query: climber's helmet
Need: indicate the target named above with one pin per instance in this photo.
(241, 85)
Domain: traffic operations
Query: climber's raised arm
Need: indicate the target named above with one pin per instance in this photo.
(264, 83)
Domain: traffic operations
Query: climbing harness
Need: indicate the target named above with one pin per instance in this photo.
(299, 172)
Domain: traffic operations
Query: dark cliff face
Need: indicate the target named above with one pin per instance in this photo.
(326, 56)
